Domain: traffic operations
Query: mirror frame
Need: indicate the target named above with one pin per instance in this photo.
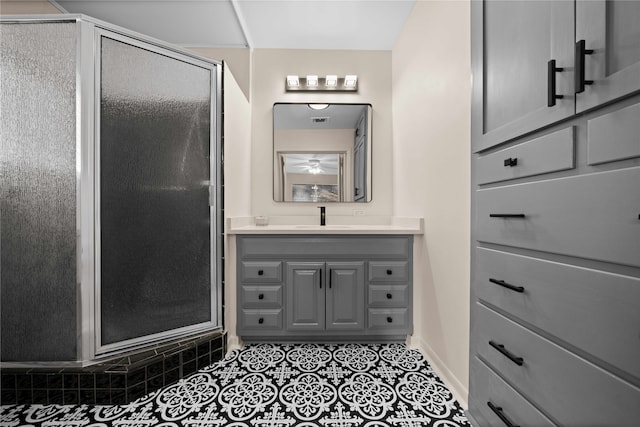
(348, 182)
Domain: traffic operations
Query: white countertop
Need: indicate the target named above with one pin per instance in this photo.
(335, 225)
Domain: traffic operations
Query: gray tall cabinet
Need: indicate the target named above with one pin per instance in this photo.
(555, 274)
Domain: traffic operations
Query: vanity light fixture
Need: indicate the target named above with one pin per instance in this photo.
(330, 83)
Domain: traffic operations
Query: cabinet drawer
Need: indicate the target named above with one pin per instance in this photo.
(590, 309)
(388, 295)
(388, 318)
(388, 271)
(261, 271)
(261, 296)
(268, 320)
(550, 153)
(487, 387)
(614, 136)
(594, 216)
(571, 390)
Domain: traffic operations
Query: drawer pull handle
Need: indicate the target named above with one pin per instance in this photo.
(261, 320)
(507, 285)
(498, 411)
(511, 162)
(551, 83)
(389, 272)
(517, 360)
(261, 296)
(389, 319)
(579, 79)
(260, 272)
(507, 215)
(389, 296)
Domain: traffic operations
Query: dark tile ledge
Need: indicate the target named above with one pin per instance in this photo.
(118, 380)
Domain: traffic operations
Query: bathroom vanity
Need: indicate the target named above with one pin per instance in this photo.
(325, 284)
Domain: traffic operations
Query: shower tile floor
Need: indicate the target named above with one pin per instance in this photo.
(280, 385)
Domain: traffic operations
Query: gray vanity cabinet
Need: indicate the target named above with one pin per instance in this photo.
(555, 238)
(324, 287)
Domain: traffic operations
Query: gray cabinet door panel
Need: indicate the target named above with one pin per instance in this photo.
(261, 296)
(389, 318)
(259, 321)
(614, 136)
(513, 41)
(491, 388)
(389, 271)
(592, 216)
(570, 389)
(345, 295)
(549, 153)
(590, 309)
(305, 296)
(610, 29)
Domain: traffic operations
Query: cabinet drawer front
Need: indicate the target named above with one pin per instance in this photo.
(550, 153)
(592, 216)
(388, 295)
(388, 271)
(572, 303)
(262, 271)
(257, 320)
(583, 394)
(388, 318)
(487, 387)
(614, 136)
(261, 296)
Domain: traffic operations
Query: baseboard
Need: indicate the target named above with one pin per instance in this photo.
(233, 343)
(460, 392)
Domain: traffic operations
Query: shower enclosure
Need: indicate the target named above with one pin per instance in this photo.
(109, 219)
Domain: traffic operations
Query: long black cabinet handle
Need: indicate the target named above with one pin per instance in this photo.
(507, 285)
(507, 215)
(579, 77)
(498, 411)
(330, 278)
(515, 359)
(551, 83)
(320, 278)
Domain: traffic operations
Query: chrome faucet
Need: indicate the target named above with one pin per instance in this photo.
(323, 215)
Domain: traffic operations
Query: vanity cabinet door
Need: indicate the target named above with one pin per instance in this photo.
(345, 295)
(612, 50)
(513, 42)
(305, 289)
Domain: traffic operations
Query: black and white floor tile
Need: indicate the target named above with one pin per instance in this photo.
(274, 385)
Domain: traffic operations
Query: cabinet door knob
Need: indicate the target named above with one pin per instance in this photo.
(261, 296)
(498, 411)
(389, 296)
(510, 162)
(389, 319)
(260, 272)
(261, 320)
(579, 77)
(515, 359)
(389, 272)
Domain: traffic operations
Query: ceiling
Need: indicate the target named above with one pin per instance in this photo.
(270, 24)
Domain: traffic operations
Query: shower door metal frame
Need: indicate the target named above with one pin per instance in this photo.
(214, 69)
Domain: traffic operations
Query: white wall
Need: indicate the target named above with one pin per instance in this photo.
(269, 69)
(431, 167)
(27, 7)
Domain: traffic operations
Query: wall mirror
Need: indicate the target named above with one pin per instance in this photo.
(322, 152)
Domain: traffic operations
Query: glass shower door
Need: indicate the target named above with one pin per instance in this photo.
(156, 272)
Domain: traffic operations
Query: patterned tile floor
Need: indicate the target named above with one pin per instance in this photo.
(273, 385)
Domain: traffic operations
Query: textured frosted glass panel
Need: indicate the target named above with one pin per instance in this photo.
(623, 29)
(38, 191)
(154, 172)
